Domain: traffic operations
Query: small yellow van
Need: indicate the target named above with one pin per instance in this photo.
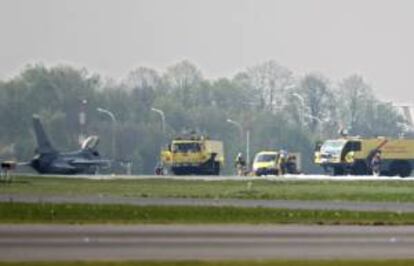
(265, 163)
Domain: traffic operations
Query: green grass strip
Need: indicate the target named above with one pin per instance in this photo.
(127, 214)
(224, 263)
(378, 191)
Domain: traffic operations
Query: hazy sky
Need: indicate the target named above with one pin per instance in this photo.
(372, 38)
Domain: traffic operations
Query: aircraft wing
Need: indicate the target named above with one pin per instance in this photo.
(13, 164)
(23, 163)
(63, 166)
(84, 162)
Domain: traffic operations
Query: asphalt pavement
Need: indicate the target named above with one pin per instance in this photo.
(183, 242)
(190, 242)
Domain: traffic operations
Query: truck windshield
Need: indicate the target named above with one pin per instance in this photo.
(265, 158)
(333, 146)
(186, 147)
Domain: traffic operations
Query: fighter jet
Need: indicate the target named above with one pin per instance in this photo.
(48, 160)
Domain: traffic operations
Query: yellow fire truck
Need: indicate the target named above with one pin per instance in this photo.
(352, 155)
(193, 155)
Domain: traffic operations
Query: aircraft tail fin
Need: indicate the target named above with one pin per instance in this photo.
(43, 143)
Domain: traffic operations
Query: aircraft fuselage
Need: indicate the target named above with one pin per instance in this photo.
(64, 163)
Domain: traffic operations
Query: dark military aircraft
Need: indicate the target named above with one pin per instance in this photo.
(48, 160)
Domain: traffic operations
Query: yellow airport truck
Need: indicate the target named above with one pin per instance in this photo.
(353, 155)
(194, 155)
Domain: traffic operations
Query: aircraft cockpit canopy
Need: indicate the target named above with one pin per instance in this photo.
(90, 142)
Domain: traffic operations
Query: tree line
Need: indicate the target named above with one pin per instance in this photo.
(281, 110)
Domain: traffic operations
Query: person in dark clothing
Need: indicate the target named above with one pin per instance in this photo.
(376, 164)
(159, 169)
(291, 167)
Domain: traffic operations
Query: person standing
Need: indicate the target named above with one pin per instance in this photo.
(291, 167)
(159, 169)
(376, 164)
(282, 161)
(240, 165)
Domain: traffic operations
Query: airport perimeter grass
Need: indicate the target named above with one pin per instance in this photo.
(224, 263)
(127, 214)
(380, 191)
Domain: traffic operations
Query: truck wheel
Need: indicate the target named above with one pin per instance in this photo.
(359, 168)
(175, 172)
(216, 168)
(405, 169)
(338, 170)
(212, 168)
(401, 168)
(179, 171)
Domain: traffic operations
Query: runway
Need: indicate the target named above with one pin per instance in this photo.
(185, 242)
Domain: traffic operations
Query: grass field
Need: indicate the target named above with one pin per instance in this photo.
(224, 263)
(391, 191)
(127, 214)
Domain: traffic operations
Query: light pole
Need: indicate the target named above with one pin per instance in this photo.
(239, 126)
(82, 121)
(304, 114)
(161, 113)
(302, 104)
(112, 116)
(406, 111)
(320, 122)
